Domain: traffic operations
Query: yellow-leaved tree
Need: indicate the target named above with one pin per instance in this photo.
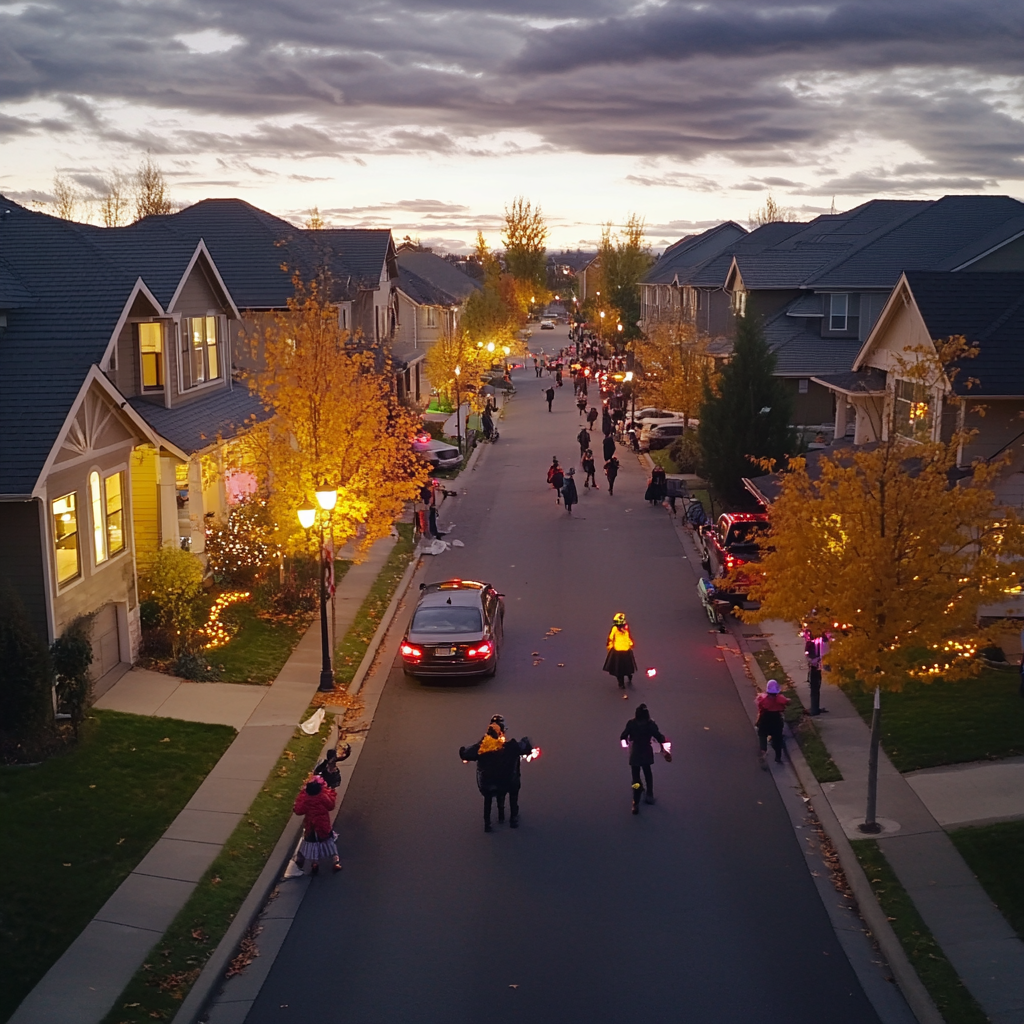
(337, 422)
(458, 368)
(673, 360)
(891, 548)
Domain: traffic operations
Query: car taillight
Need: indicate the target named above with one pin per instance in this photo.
(480, 651)
(408, 651)
(731, 561)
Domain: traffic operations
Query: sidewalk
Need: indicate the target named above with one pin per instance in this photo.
(983, 949)
(84, 983)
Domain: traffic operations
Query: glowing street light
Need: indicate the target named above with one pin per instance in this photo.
(490, 346)
(307, 517)
(327, 499)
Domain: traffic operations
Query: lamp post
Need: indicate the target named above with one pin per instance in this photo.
(326, 499)
(458, 409)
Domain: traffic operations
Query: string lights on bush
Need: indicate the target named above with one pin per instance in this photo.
(216, 631)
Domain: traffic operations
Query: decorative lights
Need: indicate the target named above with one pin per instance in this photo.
(215, 631)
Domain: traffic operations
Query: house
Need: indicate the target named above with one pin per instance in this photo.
(820, 288)
(99, 337)
(431, 292)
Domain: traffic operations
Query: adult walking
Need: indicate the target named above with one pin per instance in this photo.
(581, 404)
(620, 661)
(315, 803)
(608, 446)
(611, 470)
(497, 769)
(656, 487)
(770, 707)
(637, 738)
(549, 394)
(556, 478)
(570, 496)
(607, 427)
(592, 417)
(584, 439)
(536, 366)
(588, 470)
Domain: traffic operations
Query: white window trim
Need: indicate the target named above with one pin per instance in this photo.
(59, 588)
(222, 331)
(846, 310)
(122, 468)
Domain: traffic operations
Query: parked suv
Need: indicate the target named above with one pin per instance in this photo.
(731, 542)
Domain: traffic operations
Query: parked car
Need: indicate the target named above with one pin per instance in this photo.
(661, 435)
(732, 542)
(456, 630)
(649, 414)
(547, 325)
(440, 454)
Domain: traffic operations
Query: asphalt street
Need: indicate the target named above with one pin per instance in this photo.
(701, 909)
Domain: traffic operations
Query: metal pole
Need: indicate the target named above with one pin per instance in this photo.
(869, 825)
(326, 674)
(334, 604)
(458, 415)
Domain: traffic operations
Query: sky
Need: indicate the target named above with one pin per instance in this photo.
(429, 117)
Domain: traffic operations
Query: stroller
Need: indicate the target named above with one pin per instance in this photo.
(714, 607)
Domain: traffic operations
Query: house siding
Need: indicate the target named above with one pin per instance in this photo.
(145, 504)
(21, 560)
(1009, 257)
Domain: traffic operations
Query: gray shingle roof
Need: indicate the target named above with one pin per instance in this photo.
(680, 259)
(988, 310)
(858, 382)
(800, 352)
(438, 281)
(196, 425)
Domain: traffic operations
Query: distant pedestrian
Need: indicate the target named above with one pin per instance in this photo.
(570, 496)
(536, 366)
(497, 769)
(549, 394)
(608, 444)
(620, 661)
(588, 470)
(770, 707)
(611, 470)
(315, 803)
(558, 376)
(637, 738)
(581, 404)
(592, 418)
(656, 487)
(487, 423)
(584, 439)
(607, 427)
(556, 478)
(328, 769)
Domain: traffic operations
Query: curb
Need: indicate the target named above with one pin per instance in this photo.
(384, 625)
(213, 970)
(870, 910)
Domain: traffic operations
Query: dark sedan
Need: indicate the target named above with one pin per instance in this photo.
(456, 630)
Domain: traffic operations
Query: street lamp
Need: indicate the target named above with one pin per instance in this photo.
(458, 409)
(326, 499)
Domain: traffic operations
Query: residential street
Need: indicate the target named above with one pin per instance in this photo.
(700, 909)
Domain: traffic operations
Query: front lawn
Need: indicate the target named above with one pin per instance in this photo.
(995, 854)
(929, 724)
(661, 457)
(75, 826)
(260, 646)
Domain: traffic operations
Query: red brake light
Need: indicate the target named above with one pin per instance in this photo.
(481, 651)
(731, 561)
(408, 651)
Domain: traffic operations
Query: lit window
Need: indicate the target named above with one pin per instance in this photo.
(65, 536)
(151, 356)
(913, 410)
(201, 351)
(739, 303)
(431, 316)
(839, 306)
(114, 488)
(99, 540)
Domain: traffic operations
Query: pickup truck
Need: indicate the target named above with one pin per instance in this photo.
(731, 542)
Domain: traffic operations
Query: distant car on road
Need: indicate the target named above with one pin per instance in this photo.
(661, 435)
(547, 325)
(456, 630)
(440, 454)
(732, 542)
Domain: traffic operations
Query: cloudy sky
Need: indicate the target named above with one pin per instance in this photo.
(428, 116)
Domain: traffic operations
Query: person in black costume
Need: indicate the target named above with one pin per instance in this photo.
(636, 737)
(497, 770)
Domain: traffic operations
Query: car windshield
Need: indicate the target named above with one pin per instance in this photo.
(746, 533)
(446, 619)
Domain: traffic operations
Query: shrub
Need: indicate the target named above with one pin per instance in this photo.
(174, 581)
(190, 665)
(242, 550)
(686, 453)
(26, 688)
(72, 655)
(149, 614)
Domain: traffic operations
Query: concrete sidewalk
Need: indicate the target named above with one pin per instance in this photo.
(983, 949)
(85, 982)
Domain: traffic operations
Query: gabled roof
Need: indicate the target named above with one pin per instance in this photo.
(432, 281)
(713, 273)
(800, 352)
(988, 310)
(682, 257)
(870, 381)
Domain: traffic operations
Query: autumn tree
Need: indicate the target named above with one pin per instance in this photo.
(493, 314)
(773, 213)
(115, 201)
(67, 198)
(457, 366)
(672, 358)
(337, 422)
(624, 259)
(745, 415)
(149, 191)
(525, 241)
(314, 221)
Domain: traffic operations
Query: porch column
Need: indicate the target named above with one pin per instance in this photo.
(196, 507)
(841, 406)
(167, 499)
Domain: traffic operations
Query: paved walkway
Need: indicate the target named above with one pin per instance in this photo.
(982, 947)
(84, 983)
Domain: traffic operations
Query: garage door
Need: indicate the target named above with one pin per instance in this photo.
(106, 647)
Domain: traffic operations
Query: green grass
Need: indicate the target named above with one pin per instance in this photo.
(156, 991)
(954, 1002)
(995, 853)
(930, 724)
(811, 744)
(75, 826)
(661, 457)
(353, 645)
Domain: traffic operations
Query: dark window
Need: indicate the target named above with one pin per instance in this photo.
(447, 619)
(839, 307)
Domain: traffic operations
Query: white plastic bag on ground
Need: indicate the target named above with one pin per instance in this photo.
(457, 544)
(435, 547)
(312, 724)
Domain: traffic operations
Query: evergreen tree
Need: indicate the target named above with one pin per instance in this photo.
(747, 417)
(26, 685)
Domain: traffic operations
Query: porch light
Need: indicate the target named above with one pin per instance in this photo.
(327, 499)
(307, 517)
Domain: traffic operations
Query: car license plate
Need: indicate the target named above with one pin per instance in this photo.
(443, 652)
